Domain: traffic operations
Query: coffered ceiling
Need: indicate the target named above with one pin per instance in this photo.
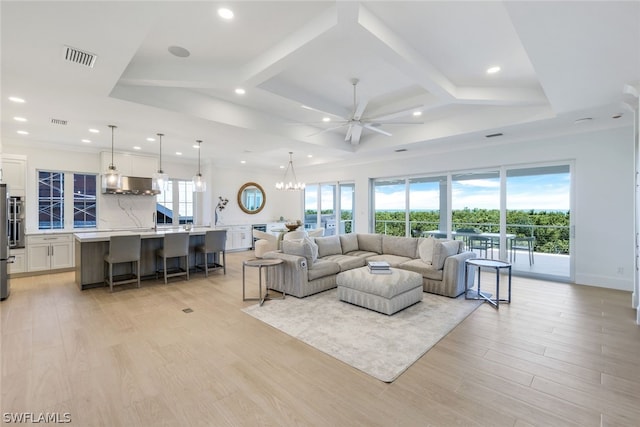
(559, 62)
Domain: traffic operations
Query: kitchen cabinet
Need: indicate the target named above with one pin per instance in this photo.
(130, 164)
(19, 265)
(238, 237)
(49, 252)
(14, 173)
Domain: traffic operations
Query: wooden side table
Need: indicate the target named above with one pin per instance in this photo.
(260, 264)
(481, 263)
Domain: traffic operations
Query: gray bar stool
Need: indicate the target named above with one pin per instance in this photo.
(214, 243)
(174, 245)
(123, 249)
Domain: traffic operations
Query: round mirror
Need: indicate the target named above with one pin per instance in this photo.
(251, 198)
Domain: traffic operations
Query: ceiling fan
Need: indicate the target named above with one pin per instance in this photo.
(357, 122)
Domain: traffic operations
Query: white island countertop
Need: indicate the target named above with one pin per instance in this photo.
(145, 233)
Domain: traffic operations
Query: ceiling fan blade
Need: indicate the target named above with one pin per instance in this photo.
(378, 130)
(348, 136)
(395, 114)
(328, 129)
(360, 109)
(377, 122)
(356, 133)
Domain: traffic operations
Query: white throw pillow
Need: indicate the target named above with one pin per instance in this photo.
(304, 247)
(442, 250)
(425, 250)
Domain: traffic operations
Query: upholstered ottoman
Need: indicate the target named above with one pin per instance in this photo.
(385, 293)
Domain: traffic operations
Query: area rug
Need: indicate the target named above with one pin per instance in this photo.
(379, 345)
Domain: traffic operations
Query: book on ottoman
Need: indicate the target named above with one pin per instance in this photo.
(379, 267)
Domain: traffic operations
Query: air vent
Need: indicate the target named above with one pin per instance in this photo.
(78, 56)
(59, 122)
(400, 150)
(493, 135)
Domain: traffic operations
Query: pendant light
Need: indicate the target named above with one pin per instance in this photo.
(290, 181)
(160, 179)
(199, 184)
(112, 179)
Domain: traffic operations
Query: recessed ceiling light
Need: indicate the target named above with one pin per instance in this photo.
(309, 155)
(240, 91)
(86, 141)
(417, 113)
(493, 70)
(178, 51)
(243, 161)
(151, 139)
(16, 99)
(94, 131)
(19, 119)
(135, 147)
(225, 13)
(23, 132)
(281, 166)
(326, 119)
(178, 153)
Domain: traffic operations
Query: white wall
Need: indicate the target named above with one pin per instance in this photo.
(604, 187)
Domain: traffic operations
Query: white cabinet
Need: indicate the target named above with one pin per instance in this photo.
(19, 264)
(130, 164)
(14, 173)
(49, 252)
(238, 237)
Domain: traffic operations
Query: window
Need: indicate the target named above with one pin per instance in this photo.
(50, 200)
(84, 201)
(390, 203)
(66, 195)
(177, 198)
(330, 206)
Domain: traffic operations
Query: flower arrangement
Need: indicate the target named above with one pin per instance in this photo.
(222, 203)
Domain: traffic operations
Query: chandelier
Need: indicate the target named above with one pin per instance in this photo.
(290, 181)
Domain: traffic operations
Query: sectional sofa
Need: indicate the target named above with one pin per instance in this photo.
(312, 264)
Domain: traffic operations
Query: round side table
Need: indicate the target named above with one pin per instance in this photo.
(495, 265)
(260, 264)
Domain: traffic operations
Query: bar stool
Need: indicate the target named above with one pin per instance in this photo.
(123, 249)
(174, 245)
(214, 243)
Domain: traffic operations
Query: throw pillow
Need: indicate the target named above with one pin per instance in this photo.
(349, 242)
(329, 245)
(425, 249)
(370, 242)
(304, 247)
(442, 250)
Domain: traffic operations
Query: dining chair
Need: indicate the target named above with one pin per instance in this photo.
(480, 243)
(174, 245)
(522, 244)
(214, 243)
(123, 249)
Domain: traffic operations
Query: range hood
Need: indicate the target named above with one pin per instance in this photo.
(134, 185)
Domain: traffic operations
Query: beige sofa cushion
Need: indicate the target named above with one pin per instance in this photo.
(393, 260)
(426, 270)
(349, 242)
(322, 268)
(400, 246)
(305, 247)
(443, 249)
(329, 245)
(425, 249)
(346, 262)
(370, 242)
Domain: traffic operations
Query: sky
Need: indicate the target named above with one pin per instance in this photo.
(540, 192)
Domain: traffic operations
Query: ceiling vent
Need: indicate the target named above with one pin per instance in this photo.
(59, 122)
(78, 56)
(493, 135)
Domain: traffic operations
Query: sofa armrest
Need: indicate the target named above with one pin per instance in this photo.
(292, 278)
(453, 273)
(291, 261)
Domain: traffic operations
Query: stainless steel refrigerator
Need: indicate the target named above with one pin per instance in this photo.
(4, 242)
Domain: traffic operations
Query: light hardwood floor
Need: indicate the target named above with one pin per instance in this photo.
(558, 355)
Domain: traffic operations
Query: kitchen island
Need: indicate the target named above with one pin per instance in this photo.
(91, 247)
